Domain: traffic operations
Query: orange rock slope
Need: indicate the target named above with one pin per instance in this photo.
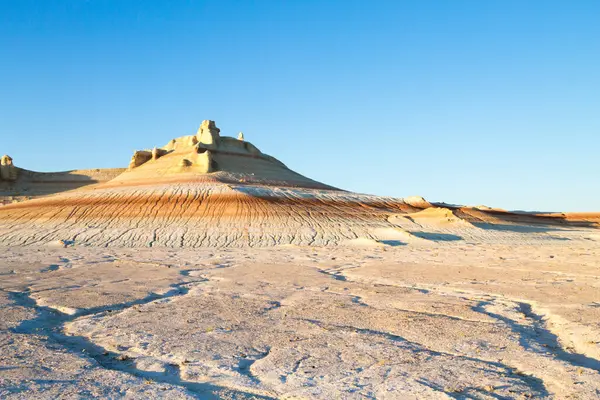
(208, 190)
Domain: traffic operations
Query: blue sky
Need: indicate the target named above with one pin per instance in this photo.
(471, 102)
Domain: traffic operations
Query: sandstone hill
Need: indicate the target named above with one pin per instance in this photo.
(212, 190)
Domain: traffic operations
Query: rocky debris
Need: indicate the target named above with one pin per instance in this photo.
(8, 172)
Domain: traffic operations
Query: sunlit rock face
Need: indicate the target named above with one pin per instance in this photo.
(208, 152)
(8, 172)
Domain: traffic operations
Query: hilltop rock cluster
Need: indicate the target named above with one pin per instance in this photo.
(200, 152)
(8, 172)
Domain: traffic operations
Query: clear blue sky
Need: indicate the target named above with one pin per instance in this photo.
(471, 102)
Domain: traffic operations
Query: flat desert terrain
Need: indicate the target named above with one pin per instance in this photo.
(442, 320)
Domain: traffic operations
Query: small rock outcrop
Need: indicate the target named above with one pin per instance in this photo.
(8, 172)
(140, 157)
(158, 152)
(417, 202)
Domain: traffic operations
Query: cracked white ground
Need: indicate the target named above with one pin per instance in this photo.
(443, 320)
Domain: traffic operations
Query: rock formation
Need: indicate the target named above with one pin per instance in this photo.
(208, 190)
(203, 153)
(139, 157)
(8, 172)
(199, 190)
(417, 202)
(157, 153)
(208, 134)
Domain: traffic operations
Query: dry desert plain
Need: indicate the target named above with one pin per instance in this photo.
(208, 269)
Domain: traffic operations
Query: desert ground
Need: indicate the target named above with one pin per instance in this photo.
(442, 320)
(207, 269)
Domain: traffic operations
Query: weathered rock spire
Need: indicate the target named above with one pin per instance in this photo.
(208, 134)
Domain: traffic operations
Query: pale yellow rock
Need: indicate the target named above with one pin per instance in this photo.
(171, 145)
(158, 152)
(8, 172)
(203, 161)
(417, 201)
(140, 157)
(208, 134)
(207, 152)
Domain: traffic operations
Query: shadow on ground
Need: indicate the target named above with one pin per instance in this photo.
(436, 236)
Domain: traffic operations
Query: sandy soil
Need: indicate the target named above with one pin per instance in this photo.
(210, 270)
(435, 318)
